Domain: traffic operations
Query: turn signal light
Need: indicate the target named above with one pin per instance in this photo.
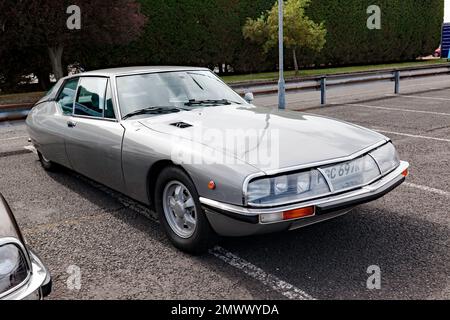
(405, 173)
(211, 185)
(299, 213)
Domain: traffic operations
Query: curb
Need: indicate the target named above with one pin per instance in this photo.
(14, 153)
(16, 106)
(11, 112)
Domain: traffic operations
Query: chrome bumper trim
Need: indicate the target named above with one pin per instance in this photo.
(32, 289)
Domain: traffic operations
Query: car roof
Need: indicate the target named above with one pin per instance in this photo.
(135, 70)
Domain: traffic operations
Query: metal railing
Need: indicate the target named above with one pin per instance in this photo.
(323, 82)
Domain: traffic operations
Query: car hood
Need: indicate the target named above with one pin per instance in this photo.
(266, 138)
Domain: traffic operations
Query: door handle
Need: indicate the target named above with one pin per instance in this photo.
(71, 124)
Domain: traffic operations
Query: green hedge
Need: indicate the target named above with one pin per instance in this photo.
(409, 28)
(209, 32)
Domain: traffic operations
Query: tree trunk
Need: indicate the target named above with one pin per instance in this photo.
(55, 54)
(294, 55)
(44, 80)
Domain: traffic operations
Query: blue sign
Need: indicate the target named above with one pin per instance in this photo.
(445, 40)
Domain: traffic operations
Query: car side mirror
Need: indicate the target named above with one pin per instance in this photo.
(249, 97)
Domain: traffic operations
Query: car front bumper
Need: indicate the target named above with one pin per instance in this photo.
(235, 221)
(38, 286)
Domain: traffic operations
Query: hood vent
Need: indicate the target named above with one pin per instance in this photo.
(181, 125)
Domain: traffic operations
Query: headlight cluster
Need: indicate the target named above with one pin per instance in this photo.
(311, 184)
(13, 267)
(307, 184)
(386, 157)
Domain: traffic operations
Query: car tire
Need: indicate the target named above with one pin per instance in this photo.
(46, 164)
(173, 191)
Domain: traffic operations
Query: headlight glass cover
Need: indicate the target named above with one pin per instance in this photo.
(13, 267)
(286, 188)
(386, 157)
(352, 174)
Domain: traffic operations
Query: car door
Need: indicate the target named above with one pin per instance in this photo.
(50, 121)
(94, 139)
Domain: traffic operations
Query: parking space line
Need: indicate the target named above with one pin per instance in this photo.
(419, 97)
(286, 289)
(411, 135)
(428, 189)
(395, 109)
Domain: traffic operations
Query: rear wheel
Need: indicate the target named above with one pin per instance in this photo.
(46, 164)
(180, 213)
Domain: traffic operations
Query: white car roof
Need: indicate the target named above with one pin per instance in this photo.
(136, 70)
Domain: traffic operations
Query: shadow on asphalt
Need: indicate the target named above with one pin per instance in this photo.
(328, 260)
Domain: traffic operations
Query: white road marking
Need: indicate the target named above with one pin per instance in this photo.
(395, 109)
(419, 97)
(286, 289)
(428, 189)
(411, 135)
(14, 138)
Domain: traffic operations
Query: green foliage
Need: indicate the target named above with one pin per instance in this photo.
(209, 33)
(299, 30)
(409, 28)
(196, 32)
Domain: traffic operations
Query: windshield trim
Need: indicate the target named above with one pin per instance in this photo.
(147, 72)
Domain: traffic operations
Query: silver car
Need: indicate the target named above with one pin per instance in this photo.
(180, 141)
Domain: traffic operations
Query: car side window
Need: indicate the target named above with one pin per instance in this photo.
(90, 99)
(67, 96)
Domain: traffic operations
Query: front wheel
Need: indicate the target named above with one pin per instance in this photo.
(180, 213)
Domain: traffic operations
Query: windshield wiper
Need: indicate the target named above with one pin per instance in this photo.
(153, 110)
(193, 102)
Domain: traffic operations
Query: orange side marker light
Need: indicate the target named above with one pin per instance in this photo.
(211, 185)
(299, 213)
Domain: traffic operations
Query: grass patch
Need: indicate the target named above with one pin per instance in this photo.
(329, 71)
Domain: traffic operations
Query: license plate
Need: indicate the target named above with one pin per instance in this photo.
(345, 175)
(344, 170)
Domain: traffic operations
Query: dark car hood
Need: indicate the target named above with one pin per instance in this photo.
(8, 224)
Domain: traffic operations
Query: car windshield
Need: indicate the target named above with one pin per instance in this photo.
(181, 89)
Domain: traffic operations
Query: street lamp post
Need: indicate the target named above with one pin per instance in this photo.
(281, 82)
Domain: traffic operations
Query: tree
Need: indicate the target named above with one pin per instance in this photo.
(299, 30)
(41, 26)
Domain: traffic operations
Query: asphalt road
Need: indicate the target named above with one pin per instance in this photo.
(123, 254)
